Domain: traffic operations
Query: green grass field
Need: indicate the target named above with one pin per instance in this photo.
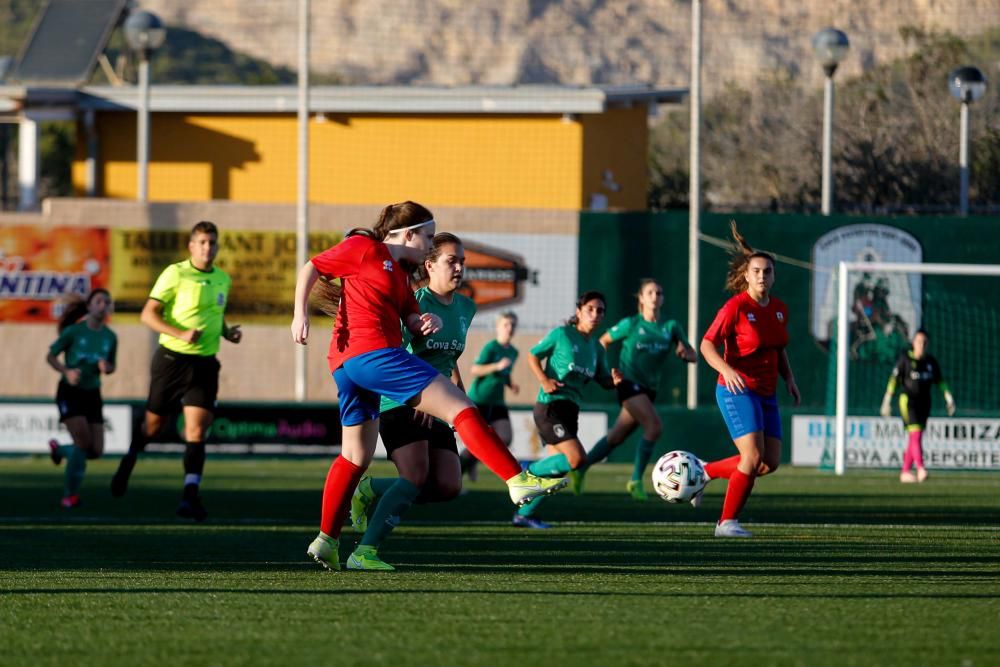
(853, 571)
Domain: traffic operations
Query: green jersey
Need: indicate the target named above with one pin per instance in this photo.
(488, 389)
(193, 299)
(646, 347)
(573, 360)
(84, 347)
(442, 349)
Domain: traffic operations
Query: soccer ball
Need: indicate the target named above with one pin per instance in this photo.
(678, 476)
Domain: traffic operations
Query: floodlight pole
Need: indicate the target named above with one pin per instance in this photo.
(302, 201)
(827, 186)
(963, 162)
(142, 136)
(694, 198)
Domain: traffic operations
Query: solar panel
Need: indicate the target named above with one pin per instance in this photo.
(65, 42)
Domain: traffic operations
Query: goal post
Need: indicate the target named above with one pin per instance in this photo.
(843, 333)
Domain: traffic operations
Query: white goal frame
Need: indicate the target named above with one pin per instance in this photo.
(843, 273)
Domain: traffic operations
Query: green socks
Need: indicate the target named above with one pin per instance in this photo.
(556, 465)
(391, 505)
(529, 507)
(381, 485)
(76, 466)
(642, 454)
(599, 452)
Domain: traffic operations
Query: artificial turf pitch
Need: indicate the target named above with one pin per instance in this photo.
(858, 570)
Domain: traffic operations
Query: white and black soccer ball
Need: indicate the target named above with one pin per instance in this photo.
(678, 476)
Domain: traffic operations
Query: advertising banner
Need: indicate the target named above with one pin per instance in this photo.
(261, 264)
(26, 428)
(39, 265)
(263, 268)
(263, 428)
(875, 442)
(534, 274)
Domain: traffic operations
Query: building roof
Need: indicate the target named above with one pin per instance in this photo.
(527, 99)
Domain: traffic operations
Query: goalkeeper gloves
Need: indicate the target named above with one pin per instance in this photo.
(886, 409)
(949, 403)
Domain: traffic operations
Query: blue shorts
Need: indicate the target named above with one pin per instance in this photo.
(363, 380)
(749, 412)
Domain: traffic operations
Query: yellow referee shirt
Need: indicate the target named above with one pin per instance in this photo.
(193, 299)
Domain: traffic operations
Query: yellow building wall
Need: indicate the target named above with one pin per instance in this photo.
(537, 161)
(617, 142)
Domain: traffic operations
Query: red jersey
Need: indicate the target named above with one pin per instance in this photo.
(753, 336)
(375, 296)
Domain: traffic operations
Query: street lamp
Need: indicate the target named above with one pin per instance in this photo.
(967, 84)
(144, 33)
(830, 46)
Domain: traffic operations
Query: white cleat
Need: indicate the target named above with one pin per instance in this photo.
(696, 499)
(325, 551)
(731, 528)
(907, 477)
(921, 475)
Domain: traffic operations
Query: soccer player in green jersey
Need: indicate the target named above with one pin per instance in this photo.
(573, 358)
(89, 349)
(187, 307)
(491, 372)
(422, 448)
(646, 344)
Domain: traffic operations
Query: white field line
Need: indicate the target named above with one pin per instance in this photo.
(258, 521)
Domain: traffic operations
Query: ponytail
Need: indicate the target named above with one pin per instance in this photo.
(740, 258)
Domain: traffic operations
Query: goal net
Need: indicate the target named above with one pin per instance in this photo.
(879, 307)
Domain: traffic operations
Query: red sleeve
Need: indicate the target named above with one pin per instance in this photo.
(342, 260)
(724, 324)
(408, 304)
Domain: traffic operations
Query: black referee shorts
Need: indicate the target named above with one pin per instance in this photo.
(178, 380)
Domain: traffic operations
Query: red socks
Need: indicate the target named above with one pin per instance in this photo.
(341, 481)
(484, 444)
(740, 486)
(723, 468)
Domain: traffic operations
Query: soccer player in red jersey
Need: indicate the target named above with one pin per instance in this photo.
(753, 329)
(367, 361)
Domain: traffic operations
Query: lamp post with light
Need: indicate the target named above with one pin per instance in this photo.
(144, 33)
(830, 46)
(967, 84)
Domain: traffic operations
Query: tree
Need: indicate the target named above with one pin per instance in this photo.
(896, 138)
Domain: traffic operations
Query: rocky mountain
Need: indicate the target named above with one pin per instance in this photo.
(502, 42)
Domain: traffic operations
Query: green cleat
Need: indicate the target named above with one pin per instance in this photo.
(366, 558)
(576, 478)
(525, 487)
(634, 488)
(325, 550)
(362, 498)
